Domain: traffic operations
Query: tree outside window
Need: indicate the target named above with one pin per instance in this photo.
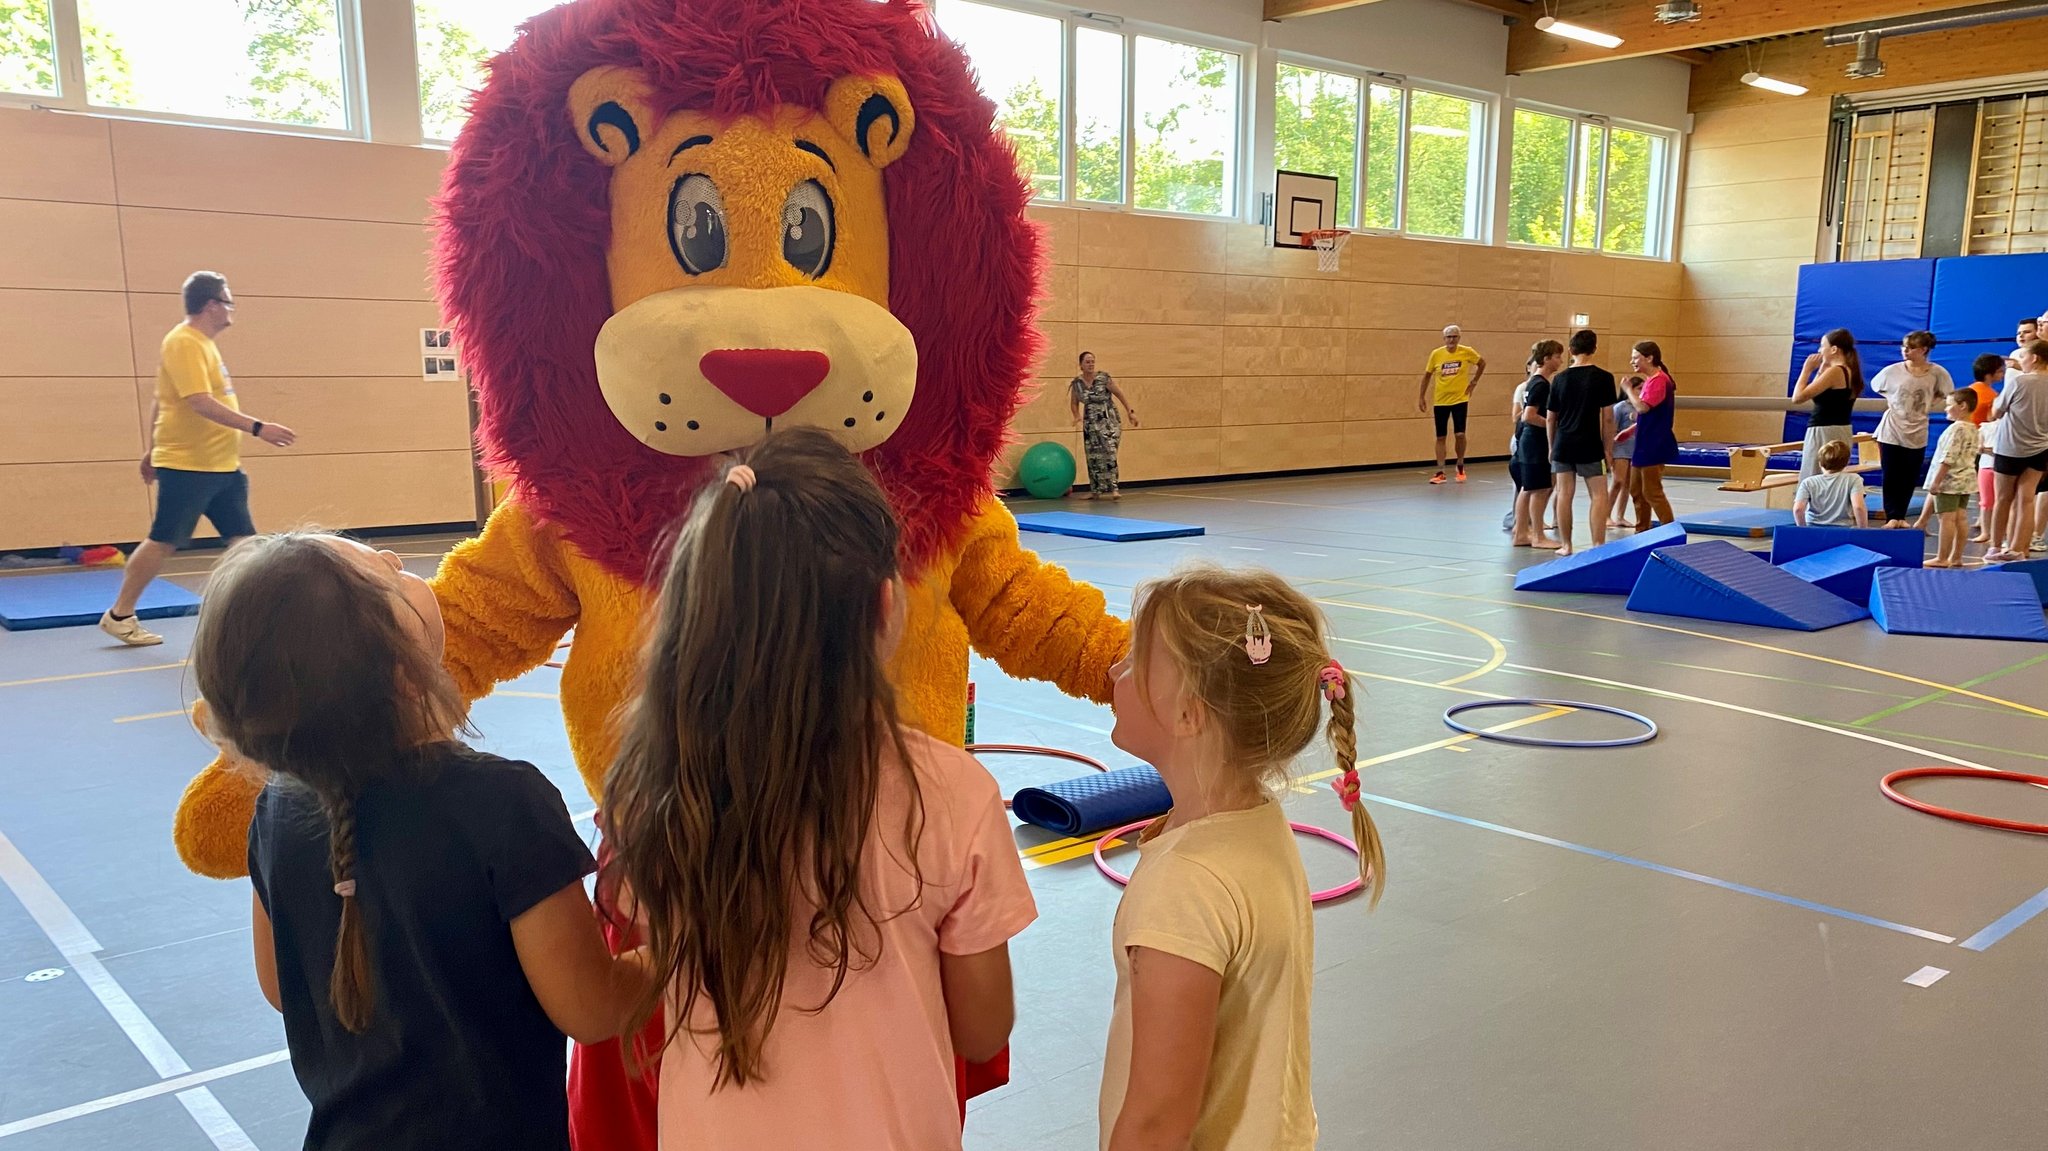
(1635, 166)
(1386, 114)
(1020, 60)
(277, 61)
(1186, 104)
(1541, 159)
(454, 40)
(1445, 134)
(1316, 129)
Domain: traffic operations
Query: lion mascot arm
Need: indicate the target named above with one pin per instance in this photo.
(1031, 617)
(506, 601)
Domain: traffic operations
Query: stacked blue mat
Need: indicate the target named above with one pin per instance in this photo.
(1116, 529)
(1093, 803)
(78, 598)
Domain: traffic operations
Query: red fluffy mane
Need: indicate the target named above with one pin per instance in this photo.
(523, 221)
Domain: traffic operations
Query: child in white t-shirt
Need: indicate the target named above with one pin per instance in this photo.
(1951, 477)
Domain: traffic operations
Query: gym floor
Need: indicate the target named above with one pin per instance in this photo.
(1718, 939)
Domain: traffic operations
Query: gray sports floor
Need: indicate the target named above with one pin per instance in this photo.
(1702, 942)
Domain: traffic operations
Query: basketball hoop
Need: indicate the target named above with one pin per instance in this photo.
(1329, 244)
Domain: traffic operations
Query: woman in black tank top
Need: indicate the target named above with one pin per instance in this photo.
(1832, 379)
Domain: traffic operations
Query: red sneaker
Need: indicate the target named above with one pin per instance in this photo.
(1437, 478)
(1461, 475)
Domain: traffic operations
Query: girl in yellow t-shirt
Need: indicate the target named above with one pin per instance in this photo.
(1214, 940)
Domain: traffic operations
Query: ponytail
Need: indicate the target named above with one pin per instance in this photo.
(1343, 734)
(349, 987)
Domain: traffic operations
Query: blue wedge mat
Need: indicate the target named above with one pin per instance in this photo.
(1902, 548)
(1113, 528)
(1718, 581)
(1610, 569)
(2036, 570)
(75, 599)
(1958, 603)
(1879, 300)
(1091, 803)
(1980, 297)
(1843, 571)
(1755, 523)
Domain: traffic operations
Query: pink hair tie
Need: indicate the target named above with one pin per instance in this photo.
(346, 889)
(1332, 680)
(741, 476)
(1346, 787)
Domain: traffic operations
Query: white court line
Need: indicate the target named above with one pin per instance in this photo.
(68, 934)
(168, 1087)
(1926, 976)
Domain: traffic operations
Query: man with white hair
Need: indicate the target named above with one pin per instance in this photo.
(1449, 380)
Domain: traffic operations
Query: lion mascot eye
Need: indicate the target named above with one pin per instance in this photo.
(696, 224)
(807, 229)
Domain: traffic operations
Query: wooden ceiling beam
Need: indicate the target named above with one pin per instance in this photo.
(1927, 58)
(1720, 22)
(1289, 9)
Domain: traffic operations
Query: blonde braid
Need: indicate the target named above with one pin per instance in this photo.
(1343, 735)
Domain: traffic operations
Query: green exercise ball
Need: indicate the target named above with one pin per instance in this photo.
(1047, 470)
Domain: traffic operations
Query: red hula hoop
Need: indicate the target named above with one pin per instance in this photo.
(1029, 749)
(1891, 792)
(1328, 893)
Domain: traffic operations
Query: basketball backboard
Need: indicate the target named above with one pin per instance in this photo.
(1303, 202)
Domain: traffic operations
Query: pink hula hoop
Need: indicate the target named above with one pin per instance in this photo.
(1329, 893)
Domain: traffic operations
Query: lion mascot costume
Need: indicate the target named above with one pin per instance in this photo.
(669, 227)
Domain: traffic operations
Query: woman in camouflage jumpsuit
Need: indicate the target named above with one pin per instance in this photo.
(1089, 401)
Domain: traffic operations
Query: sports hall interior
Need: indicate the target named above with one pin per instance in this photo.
(1725, 937)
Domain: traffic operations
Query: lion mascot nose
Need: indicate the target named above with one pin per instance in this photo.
(765, 381)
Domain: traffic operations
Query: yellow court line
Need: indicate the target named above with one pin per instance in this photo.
(154, 715)
(1415, 682)
(1500, 651)
(1775, 650)
(91, 674)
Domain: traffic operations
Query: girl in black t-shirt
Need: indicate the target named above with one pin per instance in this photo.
(1531, 460)
(420, 918)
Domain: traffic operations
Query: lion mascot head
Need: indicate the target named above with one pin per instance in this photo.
(671, 226)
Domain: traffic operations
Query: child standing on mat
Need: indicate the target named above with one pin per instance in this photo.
(419, 913)
(1624, 437)
(827, 895)
(1530, 458)
(1580, 415)
(1950, 479)
(1092, 398)
(1834, 498)
(1910, 390)
(1214, 939)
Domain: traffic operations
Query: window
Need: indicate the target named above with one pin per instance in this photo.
(1446, 161)
(1541, 156)
(28, 48)
(1578, 183)
(1185, 105)
(269, 61)
(1019, 58)
(1384, 129)
(1316, 129)
(453, 39)
(1098, 116)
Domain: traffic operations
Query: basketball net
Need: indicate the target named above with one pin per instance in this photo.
(1329, 245)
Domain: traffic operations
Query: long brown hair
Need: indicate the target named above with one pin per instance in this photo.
(1649, 350)
(307, 670)
(1852, 360)
(744, 792)
(1269, 711)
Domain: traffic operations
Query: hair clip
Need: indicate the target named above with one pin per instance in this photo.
(346, 889)
(741, 476)
(1332, 680)
(1258, 639)
(1346, 787)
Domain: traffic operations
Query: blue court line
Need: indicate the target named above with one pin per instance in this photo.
(1043, 718)
(1696, 877)
(2006, 924)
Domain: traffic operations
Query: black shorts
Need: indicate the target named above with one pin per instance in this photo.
(1451, 415)
(2006, 465)
(182, 497)
(1530, 477)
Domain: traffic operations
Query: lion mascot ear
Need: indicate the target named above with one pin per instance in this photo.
(611, 106)
(874, 114)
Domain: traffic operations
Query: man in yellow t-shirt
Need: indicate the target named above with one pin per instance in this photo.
(194, 456)
(1450, 379)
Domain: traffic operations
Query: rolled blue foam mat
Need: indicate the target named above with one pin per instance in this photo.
(1094, 802)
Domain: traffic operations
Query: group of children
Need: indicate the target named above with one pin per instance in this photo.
(825, 895)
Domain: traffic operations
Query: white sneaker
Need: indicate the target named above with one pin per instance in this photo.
(129, 631)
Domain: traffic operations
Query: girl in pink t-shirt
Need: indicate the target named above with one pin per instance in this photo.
(827, 894)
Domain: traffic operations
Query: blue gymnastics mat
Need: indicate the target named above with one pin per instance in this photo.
(2037, 570)
(1755, 523)
(1957, 603)
(1844, 571)
(1092, 803)
(1718, 581)
(1900, 547)
(1113, 528)
(1610, 569)
(75, 599)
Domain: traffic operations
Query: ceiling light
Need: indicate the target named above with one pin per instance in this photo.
(1758, 80)
(1557, 27)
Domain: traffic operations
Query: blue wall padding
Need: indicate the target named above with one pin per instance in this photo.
(1902, 548)
(1878, 300)
(1983, 297)
(1092, 803)
(1610, 569)
(1718, 581)
(1958, 356)
(1957, 603)
(1116, 529)
(2036, 570)
(1753, 523)
(75, 599)
(1709, 454)
(1843, 571)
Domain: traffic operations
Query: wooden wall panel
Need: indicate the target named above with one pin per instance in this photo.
(49, 244)
(277, 255)
(1795, 198)
(75, 420)
(285, 336)
(1152, 349)
(55, 333)
(268, 174)
(1139, 296)
(48, 505)
(365, 489)
(1158, 243)
(55, 156)
(1062, 234)
(1756, 163)
(1062, 288)
(350, 415)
